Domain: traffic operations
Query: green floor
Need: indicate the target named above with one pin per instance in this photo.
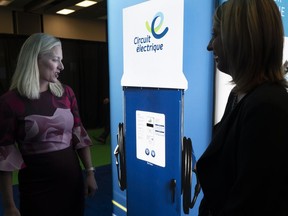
(101, 153)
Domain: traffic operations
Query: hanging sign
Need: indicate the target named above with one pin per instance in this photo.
(153, 45)
(283, 8)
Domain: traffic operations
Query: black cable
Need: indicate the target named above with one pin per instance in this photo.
(187, 169)
(120, 152)
(186, 176)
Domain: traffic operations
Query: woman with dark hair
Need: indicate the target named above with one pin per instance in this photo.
(244, 170)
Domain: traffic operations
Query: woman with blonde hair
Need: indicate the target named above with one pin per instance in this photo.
(41, 115)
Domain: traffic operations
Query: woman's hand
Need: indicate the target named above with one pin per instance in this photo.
(91, 184)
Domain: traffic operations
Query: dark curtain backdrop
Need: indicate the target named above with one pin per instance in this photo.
(85, 70)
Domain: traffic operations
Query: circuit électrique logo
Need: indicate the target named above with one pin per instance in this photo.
(154, 29)
(145, 44)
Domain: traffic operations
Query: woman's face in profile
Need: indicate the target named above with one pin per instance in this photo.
(216, 46)
(50, 65)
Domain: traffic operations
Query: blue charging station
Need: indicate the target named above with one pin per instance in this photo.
(151, 137)
(154, 120)
(153, 54)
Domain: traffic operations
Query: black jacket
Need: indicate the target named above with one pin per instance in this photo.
(244, 170)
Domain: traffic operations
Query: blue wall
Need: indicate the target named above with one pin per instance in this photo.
(199, 71)
(198, 68)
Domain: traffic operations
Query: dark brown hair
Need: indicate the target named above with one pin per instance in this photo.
(253, 37)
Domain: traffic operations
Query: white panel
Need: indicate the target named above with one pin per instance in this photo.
(153, 56)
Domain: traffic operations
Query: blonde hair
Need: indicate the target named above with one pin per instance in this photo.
(26, 77)
(253, 37)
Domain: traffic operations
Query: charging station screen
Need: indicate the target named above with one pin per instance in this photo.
(150, 137)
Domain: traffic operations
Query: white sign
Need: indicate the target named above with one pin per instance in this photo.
(150, 137)
(153, 45)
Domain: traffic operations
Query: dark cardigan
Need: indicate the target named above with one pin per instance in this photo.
(244, 170)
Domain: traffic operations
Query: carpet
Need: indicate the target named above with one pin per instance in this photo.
(101, 203)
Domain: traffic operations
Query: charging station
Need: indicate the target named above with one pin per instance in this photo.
(150, 141)
(151, 60)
